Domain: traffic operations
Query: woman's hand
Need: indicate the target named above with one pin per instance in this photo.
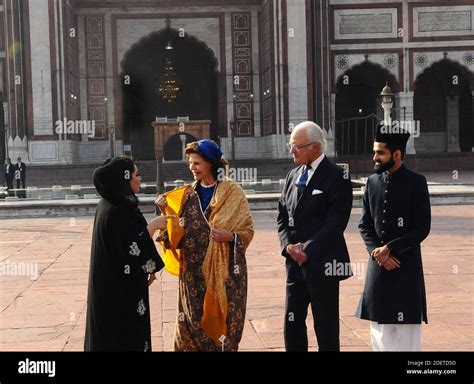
(151, 278)
(157, 223)
(218, 234)
(161, 202)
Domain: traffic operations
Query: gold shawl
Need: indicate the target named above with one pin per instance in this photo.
(229, 211)
(170, 252)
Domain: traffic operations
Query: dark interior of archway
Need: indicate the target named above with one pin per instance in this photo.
(174, 147)
(195, 67)
(432, 88)
(357, 98)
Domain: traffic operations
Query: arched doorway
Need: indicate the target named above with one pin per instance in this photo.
(443, 106)
(195, 66)
(358, 107)
(174, 146)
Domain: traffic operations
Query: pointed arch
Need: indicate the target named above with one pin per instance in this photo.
(196, 69)
(443, 106)
(358, 105)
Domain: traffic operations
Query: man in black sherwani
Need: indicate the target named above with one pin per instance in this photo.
(396, 218)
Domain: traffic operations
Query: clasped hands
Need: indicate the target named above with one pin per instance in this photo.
(297, 254)
(384, 258)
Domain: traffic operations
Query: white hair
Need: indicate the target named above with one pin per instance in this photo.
(314, 132)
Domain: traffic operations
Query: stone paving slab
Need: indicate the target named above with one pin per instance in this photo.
(48, 314)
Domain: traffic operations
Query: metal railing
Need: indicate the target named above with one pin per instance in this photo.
(355, 136)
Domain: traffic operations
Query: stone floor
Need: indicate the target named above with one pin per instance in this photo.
(48, 313)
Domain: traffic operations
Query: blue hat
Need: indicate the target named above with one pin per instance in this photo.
(210, 149)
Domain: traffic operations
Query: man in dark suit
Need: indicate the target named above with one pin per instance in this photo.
(313, 211)
(20, 173)
(396, 218)
(9, 172)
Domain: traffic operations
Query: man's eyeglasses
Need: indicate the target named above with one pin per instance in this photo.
(298, 147)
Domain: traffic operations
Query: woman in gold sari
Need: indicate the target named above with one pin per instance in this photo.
(205, 246)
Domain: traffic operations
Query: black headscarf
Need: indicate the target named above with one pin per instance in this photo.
(112, 181)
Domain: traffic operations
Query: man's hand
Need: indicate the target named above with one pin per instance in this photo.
(391, 263)
(380, 252)
(381, 258)
(384, 258)
(297, 254)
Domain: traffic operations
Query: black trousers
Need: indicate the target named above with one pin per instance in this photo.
(21, 194)
(324, 299)
(22, 180)
(9, 181)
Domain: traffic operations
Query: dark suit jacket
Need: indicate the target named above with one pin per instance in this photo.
(396, 212)
(11, 170)
(22, 169)
(318, 220)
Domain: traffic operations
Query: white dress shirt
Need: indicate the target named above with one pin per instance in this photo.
(313, 166)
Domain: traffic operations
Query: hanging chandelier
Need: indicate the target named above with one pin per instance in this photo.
(169, 88)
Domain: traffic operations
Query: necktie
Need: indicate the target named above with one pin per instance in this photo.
(302, 179)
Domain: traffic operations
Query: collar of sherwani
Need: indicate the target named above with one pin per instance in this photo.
(391, 176)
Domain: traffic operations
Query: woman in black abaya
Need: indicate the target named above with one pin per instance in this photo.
(123, 263)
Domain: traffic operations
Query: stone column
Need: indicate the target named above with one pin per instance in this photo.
(16, 80)
(183, 146)
(472, 117)
(297, 51)
(404, 112)
(41, 67)
(387, 110)
(452, 123)
(331, 130)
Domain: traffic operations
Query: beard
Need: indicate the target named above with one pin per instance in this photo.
(382, 167)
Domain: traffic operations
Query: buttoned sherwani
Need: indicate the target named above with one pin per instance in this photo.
(396, 212)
